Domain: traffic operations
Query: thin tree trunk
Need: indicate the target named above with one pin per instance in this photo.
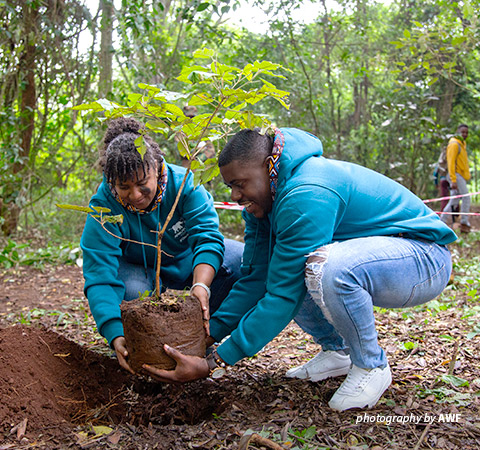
(106, 48)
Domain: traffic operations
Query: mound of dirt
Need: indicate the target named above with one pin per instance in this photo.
(49, 383)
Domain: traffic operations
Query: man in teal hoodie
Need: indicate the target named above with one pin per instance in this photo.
(325, 241)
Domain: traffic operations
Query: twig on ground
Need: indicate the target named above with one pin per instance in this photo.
(422, 437)
(451, 366)
(255, 438)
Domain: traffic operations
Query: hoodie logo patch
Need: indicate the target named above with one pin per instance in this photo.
(179, 231)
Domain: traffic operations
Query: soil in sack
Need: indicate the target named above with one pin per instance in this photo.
(149, 323)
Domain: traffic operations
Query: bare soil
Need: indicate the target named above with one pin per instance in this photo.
(61, 388)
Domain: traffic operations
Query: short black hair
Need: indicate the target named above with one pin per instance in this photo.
(119, 158)
(247, 145)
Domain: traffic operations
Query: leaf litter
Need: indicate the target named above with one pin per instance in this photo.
(60, 386)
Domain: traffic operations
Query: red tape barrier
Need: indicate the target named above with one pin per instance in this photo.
(237, 207)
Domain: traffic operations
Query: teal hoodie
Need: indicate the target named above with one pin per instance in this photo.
(192, 237)
(318, 201)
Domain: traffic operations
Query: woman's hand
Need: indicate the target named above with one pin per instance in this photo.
(120, 346)
(188, 368)
(202, 296)
(203, 274)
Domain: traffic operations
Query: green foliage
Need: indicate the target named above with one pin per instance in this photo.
(387, 106)
(446, 395)
(13, 255)
(227, 94)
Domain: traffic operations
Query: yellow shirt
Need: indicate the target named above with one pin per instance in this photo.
(457, 160)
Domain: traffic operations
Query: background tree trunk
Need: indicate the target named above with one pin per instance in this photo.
(106, 48)
(10, 207)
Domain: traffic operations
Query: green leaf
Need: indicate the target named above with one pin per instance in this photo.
(94, 107)
(101, 430)
(468, 10)
(449, 65)
(204, 53)
(195, 74)
(454, 381)
(101, 209)
(409, 345)
(157, 125)
(310, 432)
(183, 148)
(140, 145)
(107, 105)
(149, 87)
(202, 98)
(204, 172)
(203, 6)
(458, 40)
(113, 219)
(85, 209)
(133, 99)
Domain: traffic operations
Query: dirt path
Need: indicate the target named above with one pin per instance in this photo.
(60, 388)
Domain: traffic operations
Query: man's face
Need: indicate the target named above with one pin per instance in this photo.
(250, 185)
(463, 131)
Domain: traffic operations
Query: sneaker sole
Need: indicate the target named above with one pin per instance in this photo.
(330, 374)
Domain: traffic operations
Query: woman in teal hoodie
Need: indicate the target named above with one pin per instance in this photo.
(325, 241)
(143, 191)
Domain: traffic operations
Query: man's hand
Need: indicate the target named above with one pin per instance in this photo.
(188, 368)
(120, 346)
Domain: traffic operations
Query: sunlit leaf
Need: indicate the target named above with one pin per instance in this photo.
(85, 209)
(101, 209)
(101, 430)
(203, 53)
(113, 219)
(140, 145)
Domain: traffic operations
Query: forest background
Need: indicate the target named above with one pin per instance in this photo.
(382, 84)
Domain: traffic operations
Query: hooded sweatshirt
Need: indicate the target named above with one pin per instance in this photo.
(192, 237)
(318, 201)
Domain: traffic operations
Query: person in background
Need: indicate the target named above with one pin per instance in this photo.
(458, 176)
(143, 190)
(325, 242)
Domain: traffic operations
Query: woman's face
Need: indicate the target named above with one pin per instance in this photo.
(140, 191)
(250, 185)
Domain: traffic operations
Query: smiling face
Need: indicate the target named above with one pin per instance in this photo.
(463, 131)
(250, 185)
(140, 191)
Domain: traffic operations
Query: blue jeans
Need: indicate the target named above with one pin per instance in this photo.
(135, 280)
(346, 280)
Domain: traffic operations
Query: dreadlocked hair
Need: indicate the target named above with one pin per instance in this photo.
(119, 158)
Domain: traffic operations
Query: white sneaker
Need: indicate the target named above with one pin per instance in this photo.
(361, 388)
(324, 365)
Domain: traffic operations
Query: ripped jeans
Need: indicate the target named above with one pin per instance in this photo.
(345, 280)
